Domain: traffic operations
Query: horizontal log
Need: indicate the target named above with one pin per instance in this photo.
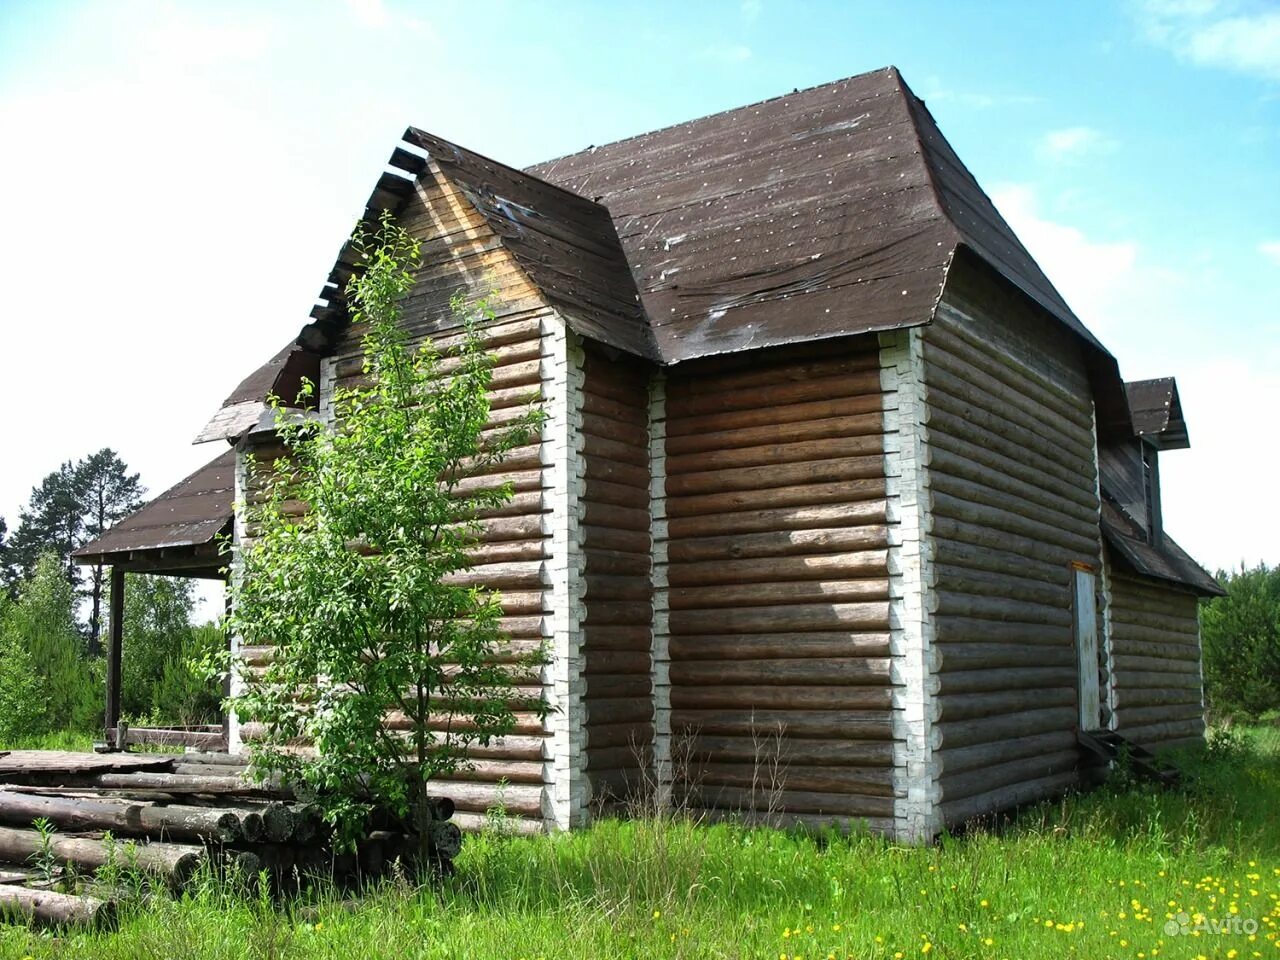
(954, 629)
(766, 746)
(617, 563)
(617, 687)
(860, 383)
(1051, 379)
(782, 619)
(873, 724)
(963, 454)
(1130, 717)
(730, 438)
(1135, 670)
(792, 801)
(851, 565)
(1177, 656)
(608, 515)
(980, 656)
(618, 411)
(999, 511)
(177, 863)
(123, 817)
(769, 417)
(616, 662)
(1153, 640)
(771, 772)
(772, 477)
(621, 541)
(959, 760)
(959, 477)
(1152, 693)
(598, 468)
(499, 771)
(998, 679)
(973, 705)
(800, 494)
(948, 530)
(1004, 586)
(850, 670)
(1185, 625)
(811, 823)
(785, 544)
(632, 432)
(517, 799)
(773, 454)
(822, 516)
(734, 374)
(787, 592)
(515, 826)
(635, 735)
(625, 757)
(623, 637)
(1007, 797)
(47, 908)
(617, 710)
(618, 612)
(631, 496)
(792, 646)
(1155, 734)
(618, 451)
(1003, 727)
(769, 698)
(996, 775)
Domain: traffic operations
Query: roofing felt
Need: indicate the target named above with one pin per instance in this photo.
(1164, 561)
(1157, 412)
(834, 210)
(189, 514)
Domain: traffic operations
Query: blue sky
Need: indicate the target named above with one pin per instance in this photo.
(176, 178)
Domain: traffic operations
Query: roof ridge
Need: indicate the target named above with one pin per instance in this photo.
(890, 69)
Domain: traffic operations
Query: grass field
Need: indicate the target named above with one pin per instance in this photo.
(1092, 876)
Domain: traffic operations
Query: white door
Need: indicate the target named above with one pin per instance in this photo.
(1084, 604)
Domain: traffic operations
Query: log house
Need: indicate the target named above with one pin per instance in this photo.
(840, 515)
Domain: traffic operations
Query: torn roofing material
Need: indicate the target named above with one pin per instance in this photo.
(1157, 412)
(1164, 561)
(281, 376)
(189, 514)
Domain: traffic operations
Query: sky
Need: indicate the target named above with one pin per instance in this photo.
(177, 177)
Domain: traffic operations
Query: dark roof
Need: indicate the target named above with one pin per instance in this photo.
(830, 211)
(1167, 561)
(189, 514)
(1157, 412)
(281, 376)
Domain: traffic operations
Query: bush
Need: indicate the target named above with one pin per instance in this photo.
(1241, 637)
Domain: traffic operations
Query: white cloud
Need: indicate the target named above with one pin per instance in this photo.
(1271, 250)
(1072, 143)
(1157, 321)
(751, 10)
(1244, 37)
(371, 13)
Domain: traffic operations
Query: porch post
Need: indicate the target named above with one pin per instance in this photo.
(114, 644)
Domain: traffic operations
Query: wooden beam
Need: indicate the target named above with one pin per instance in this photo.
(114, 645)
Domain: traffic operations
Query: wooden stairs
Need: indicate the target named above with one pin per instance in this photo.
(1106, 747)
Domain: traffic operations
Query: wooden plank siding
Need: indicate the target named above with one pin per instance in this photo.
(617, 549)
(776, 594)
(1014, 502)
(1154, 670)
(460, 252)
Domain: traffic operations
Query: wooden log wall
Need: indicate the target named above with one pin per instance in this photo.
(1155, 663)
(460, 251)
(776, 556)
(1014, 503)
(614, 523)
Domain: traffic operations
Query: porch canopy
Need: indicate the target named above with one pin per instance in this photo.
(178, 534)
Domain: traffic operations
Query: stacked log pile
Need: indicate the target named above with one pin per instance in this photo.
(73, 824)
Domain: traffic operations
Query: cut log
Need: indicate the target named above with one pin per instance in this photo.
(48, 909)
(130, 818)
(175, 862)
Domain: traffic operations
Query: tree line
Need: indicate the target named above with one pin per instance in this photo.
(53, 615)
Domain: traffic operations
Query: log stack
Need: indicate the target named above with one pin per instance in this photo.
(70, 824)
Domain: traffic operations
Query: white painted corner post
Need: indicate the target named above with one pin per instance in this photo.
(660, 650)
(565, 797)
(911, 582)
(235, 682)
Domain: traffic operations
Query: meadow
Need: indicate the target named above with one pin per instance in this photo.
(1128, 870)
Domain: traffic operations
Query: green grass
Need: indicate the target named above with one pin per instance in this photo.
(1091, 876)
(61, 740)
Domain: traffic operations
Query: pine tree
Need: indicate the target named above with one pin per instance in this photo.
(108, 494)
(52, 521)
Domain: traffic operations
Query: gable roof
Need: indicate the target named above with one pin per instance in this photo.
(281, 376)
(1157, 412)
(189, 514)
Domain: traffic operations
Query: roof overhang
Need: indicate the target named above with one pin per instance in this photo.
(1157, 413)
